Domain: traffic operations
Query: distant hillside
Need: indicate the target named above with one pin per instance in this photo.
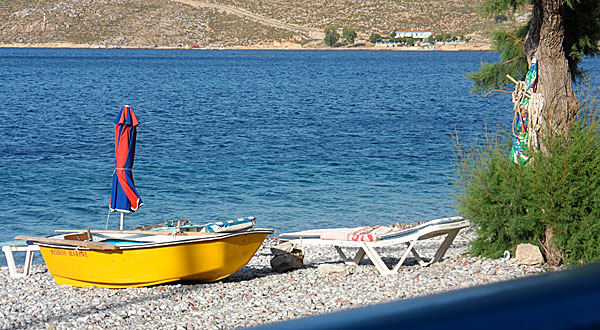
(187, 23)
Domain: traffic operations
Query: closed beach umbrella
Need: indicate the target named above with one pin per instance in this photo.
(124, 198)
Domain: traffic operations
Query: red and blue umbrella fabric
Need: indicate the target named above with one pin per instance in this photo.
(124, 197)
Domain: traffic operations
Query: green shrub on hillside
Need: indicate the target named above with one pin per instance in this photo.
(374, 38)
(331, 35)
(511, 204)
(349, 34)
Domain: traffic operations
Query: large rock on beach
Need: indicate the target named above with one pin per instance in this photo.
(528, 254)
(286, 257)
(286, 262)
(283, 248)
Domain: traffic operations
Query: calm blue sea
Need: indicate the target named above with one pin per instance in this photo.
(298, 139)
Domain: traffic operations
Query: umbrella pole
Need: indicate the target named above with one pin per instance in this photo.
(122, 218)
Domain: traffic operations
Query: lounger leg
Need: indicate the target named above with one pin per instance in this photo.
(360, 254)
(12, 269)
(418, 257)
(411, 247)
(445, 245)
(28, 262)
(439, 254)
(380, 265)
(376, 259)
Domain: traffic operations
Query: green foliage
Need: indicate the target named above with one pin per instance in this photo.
(430, 39)
(331, 35)
(495, 196)
(582, 33)
(500, 19)
(511, 204)
(512, 61)
(568, 187)
(349, 35)
(331, 29)
(443, 37)
(374, 38)
(492, 7)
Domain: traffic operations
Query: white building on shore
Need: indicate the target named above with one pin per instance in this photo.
(416, 34)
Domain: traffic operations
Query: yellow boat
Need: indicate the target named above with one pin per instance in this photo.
(120, 259)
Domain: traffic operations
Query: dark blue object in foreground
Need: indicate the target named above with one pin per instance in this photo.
(561, 300)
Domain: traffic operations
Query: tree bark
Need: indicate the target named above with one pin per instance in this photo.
(545, 42)
(553, 254)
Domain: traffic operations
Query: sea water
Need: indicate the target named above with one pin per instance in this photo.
(297, 139)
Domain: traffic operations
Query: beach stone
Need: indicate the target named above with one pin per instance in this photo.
(528, 254)
(334, 269)
(286, 262)
(283, 248)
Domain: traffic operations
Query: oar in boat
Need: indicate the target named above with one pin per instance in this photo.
(87, 244)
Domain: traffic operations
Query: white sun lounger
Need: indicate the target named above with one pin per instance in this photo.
(18, 246)
(388, 238)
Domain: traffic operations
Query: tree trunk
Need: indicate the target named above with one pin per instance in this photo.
(553, 254)
(545, 43)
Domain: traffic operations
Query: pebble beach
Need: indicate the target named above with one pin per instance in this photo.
(253, 296)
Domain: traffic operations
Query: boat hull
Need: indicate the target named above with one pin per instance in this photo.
(202, 260)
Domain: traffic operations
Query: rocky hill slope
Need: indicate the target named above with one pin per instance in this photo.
(232, 23)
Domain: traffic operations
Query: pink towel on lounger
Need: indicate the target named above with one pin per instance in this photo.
(364, 234)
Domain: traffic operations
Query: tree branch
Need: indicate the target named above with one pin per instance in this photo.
(497, 91)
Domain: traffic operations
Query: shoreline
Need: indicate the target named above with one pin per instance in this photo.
(253, 296)
(274, 46)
